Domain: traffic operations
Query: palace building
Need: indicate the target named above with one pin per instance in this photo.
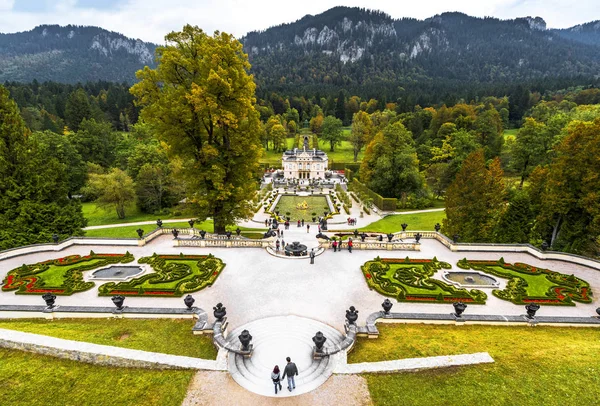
(304, 163)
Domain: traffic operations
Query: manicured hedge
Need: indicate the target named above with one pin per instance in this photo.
(35, 279)
(173, 276)
(565, 290)
(409, 280)
(383, 203)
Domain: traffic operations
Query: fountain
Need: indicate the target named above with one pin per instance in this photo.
(295, 249)
(117, 272)
(470, 279)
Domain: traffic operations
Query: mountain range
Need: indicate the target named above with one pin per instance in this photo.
(342, 47)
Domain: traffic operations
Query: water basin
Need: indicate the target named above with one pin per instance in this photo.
(471, 279)
(117, 272)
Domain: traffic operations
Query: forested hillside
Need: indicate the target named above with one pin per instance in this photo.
(72, 54)
(368, 53)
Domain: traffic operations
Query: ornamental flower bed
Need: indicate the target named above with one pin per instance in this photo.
(529, 284)
(62, 276)
(409, 280)
(174, 276)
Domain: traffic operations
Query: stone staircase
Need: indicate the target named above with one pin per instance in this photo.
(276, 338)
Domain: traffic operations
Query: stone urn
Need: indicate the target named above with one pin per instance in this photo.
(532, 308)
(219, 311)
(355, 233)
(362, 237)
(49, 298)
(455, 238)
(319, 340)
(175, 233)
(159, 223)
(437, 227)
(387, 306)
(118, 301)
(352, 315)
(390, 236)
(55, 238)
(191, 223)
(245, 339)
(380, 237)
(228, 234)
(459, 308)
(418, 237)
(598, 311)
(189, 301)
(238, 231)
(140, 232)
(403, 225)
(202, 234)
(545, 246)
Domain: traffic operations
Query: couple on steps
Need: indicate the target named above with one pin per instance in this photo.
(290, 371)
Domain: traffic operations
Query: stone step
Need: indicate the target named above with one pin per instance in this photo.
(274, 339)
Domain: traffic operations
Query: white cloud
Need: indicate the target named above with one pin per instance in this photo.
(152, 19)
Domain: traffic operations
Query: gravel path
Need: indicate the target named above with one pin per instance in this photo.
(218, 388)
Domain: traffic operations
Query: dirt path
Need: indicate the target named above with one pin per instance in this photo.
(219, 389)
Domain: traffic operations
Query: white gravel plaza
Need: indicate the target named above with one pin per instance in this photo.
(255, 284)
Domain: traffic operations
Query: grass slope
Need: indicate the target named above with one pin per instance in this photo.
(97, 216)
(416, 222)
(130, 231)
(533, 366)
(31, 379)
(316, 204)
(169, 336)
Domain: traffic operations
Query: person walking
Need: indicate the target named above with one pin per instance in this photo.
(266, 222)
(298, 223)
(277, 246)
(290, 371)
(278, 233)
(276, 378)
(334, 245)
(312, 256)
(302, 222)
(350, 245)
(307, 228)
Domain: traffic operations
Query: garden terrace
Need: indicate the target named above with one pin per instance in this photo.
(409, 280)
(175, 275)
(62, 276)
(530, 284)
(290, 204)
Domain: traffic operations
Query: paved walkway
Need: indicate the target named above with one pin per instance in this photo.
(137, 223)
(255, 284)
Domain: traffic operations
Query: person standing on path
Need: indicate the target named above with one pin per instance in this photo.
(275, 377)
(302, 222)
(334, 245)
(277, 246)
(312, 256)
(290, 371)
(307, 228)
(350, 245)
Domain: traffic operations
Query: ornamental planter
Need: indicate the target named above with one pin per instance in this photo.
(532, 308)
(245, 339)
(189, 301)
(49, 298)
(319, 340)
(459, 308)
(118, 301)
(352, 315)
(219, 311)
(387, 306)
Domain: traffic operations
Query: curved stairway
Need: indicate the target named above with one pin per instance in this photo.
(274, 339)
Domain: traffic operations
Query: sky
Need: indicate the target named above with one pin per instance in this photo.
(150, 20)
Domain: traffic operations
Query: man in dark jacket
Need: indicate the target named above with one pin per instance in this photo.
(290, 371)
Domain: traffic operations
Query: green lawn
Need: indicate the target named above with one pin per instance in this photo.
(533, 366)
(31, 379)
(169, 336)
(537, 285)
(511, 133)
(416, 222)
(341, 153)
(130, 231)
(316, 204)
(97, 216)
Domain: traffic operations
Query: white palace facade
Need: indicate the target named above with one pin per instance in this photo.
(304, 163)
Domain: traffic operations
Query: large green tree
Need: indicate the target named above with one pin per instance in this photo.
(475, 200)
(332, 131)
(114, 189)
(77, 109)
(33, 186)
(531, 148)
(200, 100)
(390, 166)
(360, 134)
